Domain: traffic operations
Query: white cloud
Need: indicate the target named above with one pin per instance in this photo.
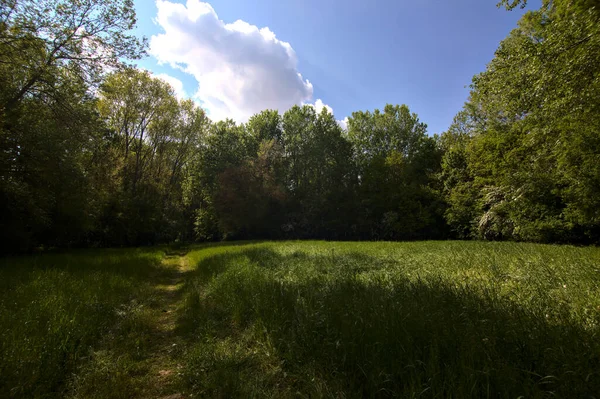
(319, 105)
(175, 83)
(241, 69)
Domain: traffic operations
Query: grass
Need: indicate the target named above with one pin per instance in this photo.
(57, 310)
(307, 319)
(427, 319)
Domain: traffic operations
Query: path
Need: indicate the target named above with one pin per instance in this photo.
(166, 344)
(140, 357)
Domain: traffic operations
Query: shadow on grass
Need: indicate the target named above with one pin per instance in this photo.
(259, 323)
(59, 312)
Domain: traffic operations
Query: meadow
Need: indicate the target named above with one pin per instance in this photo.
(303, 319)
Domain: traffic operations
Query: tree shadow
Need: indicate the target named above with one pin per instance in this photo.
(73, 316)
(348, 325)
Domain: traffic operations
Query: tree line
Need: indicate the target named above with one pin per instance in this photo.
(94, 152)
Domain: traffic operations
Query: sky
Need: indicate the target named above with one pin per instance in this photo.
(238, 57)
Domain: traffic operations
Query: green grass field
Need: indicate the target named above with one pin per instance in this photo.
(303, 319)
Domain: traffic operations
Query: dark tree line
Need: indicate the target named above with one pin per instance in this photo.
(94, 152)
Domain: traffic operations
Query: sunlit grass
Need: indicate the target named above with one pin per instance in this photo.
(308, 319)
(430, 319)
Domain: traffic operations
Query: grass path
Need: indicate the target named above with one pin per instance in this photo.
(165, 344)
(140, 357)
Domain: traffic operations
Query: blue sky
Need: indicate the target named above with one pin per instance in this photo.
(352, 55)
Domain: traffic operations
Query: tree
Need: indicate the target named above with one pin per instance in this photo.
(153, 138)
(250, 197)
(560, 7)
(265, 126)
(79, 40)
(396, 162)
(142, 112)
(458, 187)
(53, 54)
(533, 157)
(318, 173)
(44, 185)
(225, 146)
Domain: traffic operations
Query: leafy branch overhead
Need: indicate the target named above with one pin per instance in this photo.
(46, 40)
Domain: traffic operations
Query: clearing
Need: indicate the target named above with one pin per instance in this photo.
(307, 319)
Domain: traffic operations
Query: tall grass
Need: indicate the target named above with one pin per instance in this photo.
(55, 308)
(308, 319)
(428, 319)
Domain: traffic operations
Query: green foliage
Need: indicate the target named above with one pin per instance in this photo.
(251, 197)
(289, 176)
(560, 7)
(265, 126)
(529, 169)
(96, 153)
(44, 161)
(51, 52)
(44, 41)
(153, 137)
(318, 173)
(397, 163)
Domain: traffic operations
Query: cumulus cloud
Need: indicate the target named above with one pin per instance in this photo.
(343, 123)
(241, 69)
(319, 105)
(175, 83)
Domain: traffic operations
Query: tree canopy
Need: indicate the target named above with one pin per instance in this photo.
(96, 152)
(531, 161)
